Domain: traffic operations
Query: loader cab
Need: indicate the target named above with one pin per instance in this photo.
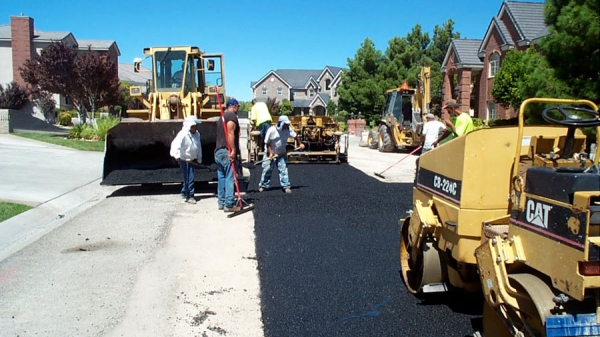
(399, 104)
(172, 71)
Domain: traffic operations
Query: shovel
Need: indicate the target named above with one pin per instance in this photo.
(275, 156)
(380, 174)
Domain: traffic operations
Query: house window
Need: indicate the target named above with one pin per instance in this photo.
(292, 92)
(492, 113)
(67, 101)
(279, 91)
(334, 92)
(311, 92)
(327, 84)
(264, 90)
(494, 64)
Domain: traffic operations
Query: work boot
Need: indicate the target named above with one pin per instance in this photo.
(232, 209)
(288, 190)
(191, 201)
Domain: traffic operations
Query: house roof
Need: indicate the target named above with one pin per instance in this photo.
(43, 36)
(126, 74)
(299, 78)
(98, 45)
(528, 19)
(38, 35)
(466, 53)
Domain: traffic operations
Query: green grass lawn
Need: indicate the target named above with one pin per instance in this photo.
(8, 210)
(62, 140)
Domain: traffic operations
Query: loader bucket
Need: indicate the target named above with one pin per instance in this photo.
(137, 152)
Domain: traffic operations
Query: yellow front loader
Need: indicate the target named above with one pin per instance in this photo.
(513, 212)
(185, 82)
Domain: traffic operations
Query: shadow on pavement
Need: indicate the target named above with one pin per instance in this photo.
(161, 189)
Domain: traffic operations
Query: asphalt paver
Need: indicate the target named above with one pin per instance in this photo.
(328, 259)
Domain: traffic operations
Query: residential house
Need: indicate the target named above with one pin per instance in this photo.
(19, 41)
(470, 65)
(126, 74)
(309, 91)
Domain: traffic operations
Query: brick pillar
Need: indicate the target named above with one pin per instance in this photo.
(464, 85)
(21, 29)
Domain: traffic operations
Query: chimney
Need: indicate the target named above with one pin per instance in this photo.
(21, 29)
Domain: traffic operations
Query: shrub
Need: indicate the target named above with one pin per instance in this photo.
(503, 121)
(13, 97)
(104, 124)
(82, 130)
(88, 132)
(64, 118)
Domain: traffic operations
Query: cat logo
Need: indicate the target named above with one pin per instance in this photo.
(537, 213)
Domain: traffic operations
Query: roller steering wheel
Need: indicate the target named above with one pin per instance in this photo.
(572, 120)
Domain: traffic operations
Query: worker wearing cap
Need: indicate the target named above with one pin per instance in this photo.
(431, 132)
(276, 142)
(464, 123)
(226, 151)
(186, 148)
(261, 118)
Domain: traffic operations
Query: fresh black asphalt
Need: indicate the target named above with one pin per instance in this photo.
(328, 260)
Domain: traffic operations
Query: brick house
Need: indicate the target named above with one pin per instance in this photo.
(309, 90)
(19, 41)
(470, 65)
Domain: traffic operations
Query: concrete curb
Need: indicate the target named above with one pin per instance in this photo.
(21, 230)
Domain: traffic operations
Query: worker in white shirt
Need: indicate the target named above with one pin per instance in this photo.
(186, 148)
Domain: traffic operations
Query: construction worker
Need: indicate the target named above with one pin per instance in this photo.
(276, 141)
(261, 118)
(464, 122)
(186, 148)
(226, 153)
(431, 132)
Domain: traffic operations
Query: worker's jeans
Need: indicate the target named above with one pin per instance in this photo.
(225, 193)
(269, 165)
(187, 190)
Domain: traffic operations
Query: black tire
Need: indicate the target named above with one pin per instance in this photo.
(372, 140)
(385, 140)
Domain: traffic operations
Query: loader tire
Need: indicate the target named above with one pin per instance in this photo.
(372, 140)
(385, 140)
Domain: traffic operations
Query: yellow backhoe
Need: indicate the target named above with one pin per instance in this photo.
(402, 116)
(185, 82)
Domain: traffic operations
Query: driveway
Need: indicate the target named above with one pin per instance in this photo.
(55, 180)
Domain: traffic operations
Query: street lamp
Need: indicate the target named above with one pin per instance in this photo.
(456, 91)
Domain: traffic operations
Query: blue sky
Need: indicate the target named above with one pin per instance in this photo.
(254, 36)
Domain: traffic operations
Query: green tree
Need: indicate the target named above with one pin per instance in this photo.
(573, 46)
(361, 88)
(508, 79)
(331, 108)
(245, 106)
(436, 51)
(286, 109)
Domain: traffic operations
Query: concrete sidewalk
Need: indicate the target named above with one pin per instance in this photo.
(55, 180)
